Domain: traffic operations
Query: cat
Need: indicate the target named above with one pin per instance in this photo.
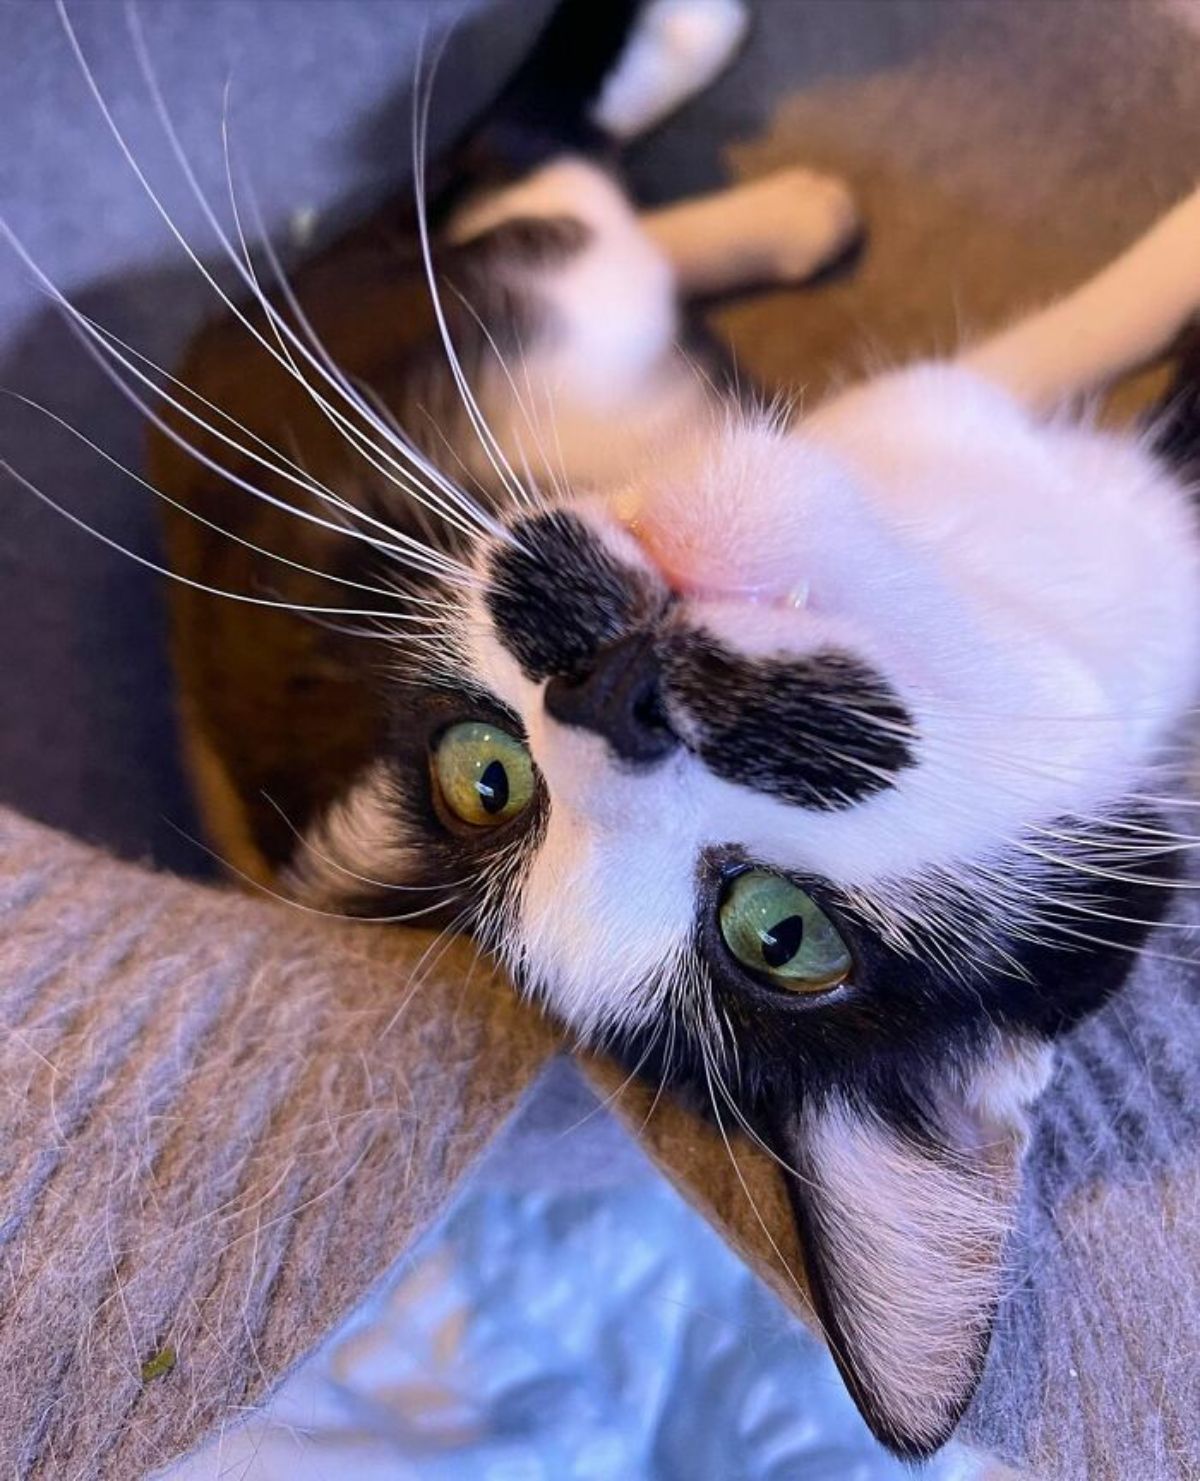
(810, 762)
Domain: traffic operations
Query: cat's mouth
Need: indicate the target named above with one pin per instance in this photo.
(695, 562)
(757, 517)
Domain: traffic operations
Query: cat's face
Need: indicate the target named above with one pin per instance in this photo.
(880, 659)
(805, 765)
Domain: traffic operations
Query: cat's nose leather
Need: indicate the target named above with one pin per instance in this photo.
(617, 698)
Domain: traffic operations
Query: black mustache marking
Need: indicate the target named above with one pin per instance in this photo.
(559, 596)
(823, 731)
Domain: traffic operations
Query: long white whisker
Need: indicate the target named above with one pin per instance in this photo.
(152, 195)
(365, 920)
(526, 489)
(96, 342)
(367, 405)
(762, 1223)
(145, 483)
(397, 544)
(749, 1130)
(426, 963)
(217, 591)
(614, 1095)
(423, 497)
(390, 468)
(307, 844)
(487, 440)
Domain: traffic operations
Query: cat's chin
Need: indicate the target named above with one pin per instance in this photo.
(743, 513)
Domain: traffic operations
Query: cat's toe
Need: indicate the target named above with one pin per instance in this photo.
(800, 221)
(806, 221)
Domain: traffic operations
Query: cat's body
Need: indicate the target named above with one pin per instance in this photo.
(914, 659)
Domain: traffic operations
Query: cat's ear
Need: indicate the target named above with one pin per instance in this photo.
(903, 1236)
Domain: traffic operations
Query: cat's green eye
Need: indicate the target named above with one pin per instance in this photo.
(776, 930)
(484, 775)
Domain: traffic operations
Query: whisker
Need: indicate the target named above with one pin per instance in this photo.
(366, 405)
(754, 1136)
(165, 120)
(218, 591)
(750, 1199)
(427, 964)
(615, 1095)
(95, 341)
(128, 472)
(668, 1068)
(1082, 866)
(527, 489)
(263, 889)
(487, 441)
(307, 844)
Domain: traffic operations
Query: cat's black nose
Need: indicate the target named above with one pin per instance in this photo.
(617, 698)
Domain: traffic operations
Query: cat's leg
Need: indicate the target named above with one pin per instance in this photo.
(676, 48)
(602, 297)
(1125, 316)
(782, 228)
(590, 376)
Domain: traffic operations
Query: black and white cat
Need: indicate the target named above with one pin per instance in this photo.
(811, 761)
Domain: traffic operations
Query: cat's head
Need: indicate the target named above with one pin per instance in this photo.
(805, 767)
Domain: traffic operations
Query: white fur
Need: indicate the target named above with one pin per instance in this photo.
(1030, 587)
(676, 49)
(591, 356)
(999, 1095)
(911, 1251)
(1030, 591)
(358, 843)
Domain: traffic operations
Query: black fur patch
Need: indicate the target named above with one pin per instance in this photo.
(543, 111)
(1177, 426)
(560, 596)
(823, 731)
(907, 1018)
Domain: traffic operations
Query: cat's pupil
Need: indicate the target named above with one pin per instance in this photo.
(492, 787)
(781, 943)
